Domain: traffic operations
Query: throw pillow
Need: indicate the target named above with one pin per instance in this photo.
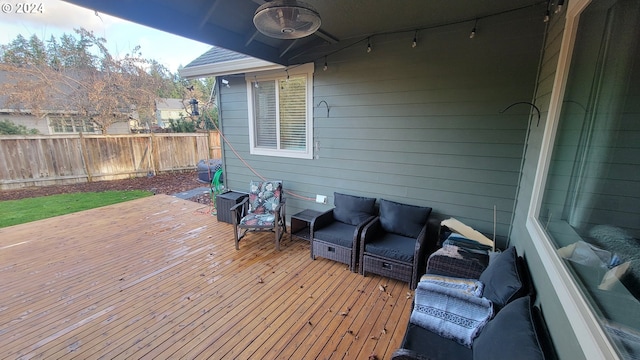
(403, 219)
(510, 335)
(352, 210)
(501, 279)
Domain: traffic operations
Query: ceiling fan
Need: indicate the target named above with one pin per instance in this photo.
(286, 19)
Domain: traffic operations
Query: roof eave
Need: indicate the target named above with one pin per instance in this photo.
(240, 66)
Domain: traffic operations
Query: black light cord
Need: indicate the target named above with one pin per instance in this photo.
(524, 102)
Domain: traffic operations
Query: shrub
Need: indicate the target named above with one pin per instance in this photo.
(9, 128)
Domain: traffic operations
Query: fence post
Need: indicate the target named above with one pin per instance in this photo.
(209, 144)
(214, 144)
(85, 157)
(195, 148)
(152, 153)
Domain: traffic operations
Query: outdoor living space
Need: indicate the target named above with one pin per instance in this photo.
(159, 277)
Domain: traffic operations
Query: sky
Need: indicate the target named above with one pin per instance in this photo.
(59, 17)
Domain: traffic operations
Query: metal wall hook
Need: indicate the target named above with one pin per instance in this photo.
(325, 103)
(524, 102)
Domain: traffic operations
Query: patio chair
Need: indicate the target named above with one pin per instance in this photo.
(335, 233)
(263, 210)
(396, 243)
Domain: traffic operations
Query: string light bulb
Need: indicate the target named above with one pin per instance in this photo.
(547, 13)
(368, 44)
(473, 31)
(325, 67)
(415, 39)
(560, 5)
(255, 82)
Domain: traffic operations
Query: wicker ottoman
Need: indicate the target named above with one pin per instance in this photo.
(332, 251)
(387, 268)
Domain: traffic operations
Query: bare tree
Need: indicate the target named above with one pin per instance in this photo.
(80, 77)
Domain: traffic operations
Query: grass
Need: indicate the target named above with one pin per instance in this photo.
(14, 212)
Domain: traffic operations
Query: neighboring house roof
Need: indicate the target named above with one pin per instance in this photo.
(218, 61)
(57, 103)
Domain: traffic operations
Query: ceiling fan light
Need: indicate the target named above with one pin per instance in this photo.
(286, 19)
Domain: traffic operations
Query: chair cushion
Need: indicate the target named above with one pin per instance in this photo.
(510, 335)
(337, 233)
(264, 197)
(258, 220)
(352, 210)
(403, 219)
(393, 246)
(502, 280)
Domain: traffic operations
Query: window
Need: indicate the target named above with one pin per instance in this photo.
(280, 117)
(590, 209)
(71, 124)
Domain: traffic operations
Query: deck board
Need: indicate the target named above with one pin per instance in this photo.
(159, 277)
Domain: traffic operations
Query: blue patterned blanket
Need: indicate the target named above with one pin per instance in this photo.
(450, 313)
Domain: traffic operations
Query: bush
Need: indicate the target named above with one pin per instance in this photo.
(9, 128)
(182, 126)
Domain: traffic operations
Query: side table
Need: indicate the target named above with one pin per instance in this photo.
(300, 223)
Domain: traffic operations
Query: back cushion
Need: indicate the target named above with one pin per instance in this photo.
(352, 210)
(403, 219)
(264, 197)
(502, 280)
(510, 335)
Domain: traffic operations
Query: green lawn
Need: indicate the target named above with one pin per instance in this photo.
(13, 212)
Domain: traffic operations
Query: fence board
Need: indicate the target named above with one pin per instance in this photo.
(75, 158)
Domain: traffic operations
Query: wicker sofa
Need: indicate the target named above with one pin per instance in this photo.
(516, 329)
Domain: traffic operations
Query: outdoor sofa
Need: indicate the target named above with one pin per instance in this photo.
(514, 328)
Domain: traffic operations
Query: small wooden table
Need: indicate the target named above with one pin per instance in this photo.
(300, 223)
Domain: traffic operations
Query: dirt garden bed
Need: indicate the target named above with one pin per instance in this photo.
(170, 184)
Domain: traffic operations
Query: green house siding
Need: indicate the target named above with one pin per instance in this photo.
(565, 341)
(417, 125)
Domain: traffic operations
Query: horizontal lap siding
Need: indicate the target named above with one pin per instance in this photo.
(563, 335)
(416, 125)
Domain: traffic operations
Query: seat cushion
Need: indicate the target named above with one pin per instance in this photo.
(502, 280)
(510, 335)
(258, 220)
(337, 233)
(352, 210)
(403, 219)
(433, 346)
(392, 246)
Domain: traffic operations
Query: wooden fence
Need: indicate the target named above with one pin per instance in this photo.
(74, 158)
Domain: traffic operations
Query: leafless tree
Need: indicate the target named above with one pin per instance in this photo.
(80, 77)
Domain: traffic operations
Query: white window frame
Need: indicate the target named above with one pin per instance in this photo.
(53, 118)
(301, 70)
(593, 341)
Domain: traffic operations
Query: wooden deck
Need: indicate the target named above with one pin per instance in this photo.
(159, 278)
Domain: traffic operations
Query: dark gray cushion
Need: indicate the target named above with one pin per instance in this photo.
(501, 279)
(337, 233)
(433, 346)
(352, 210)
(510, 335)
(393, 246)
(403, 219)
